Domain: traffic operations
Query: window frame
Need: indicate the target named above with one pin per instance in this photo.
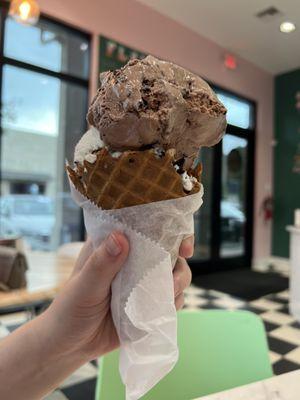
(62, 76)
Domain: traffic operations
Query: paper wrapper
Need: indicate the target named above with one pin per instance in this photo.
(142, 293)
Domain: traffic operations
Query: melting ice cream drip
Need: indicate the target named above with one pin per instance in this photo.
(88, 143)
(187, 181)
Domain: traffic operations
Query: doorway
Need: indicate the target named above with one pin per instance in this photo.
(224, 224)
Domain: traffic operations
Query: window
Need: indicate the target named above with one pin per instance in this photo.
(44, 95)
(239, 111)
(48, 45)
(233, 202)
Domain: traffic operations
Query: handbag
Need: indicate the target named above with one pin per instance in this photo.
(13, 267)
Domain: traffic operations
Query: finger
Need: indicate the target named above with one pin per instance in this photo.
(105, 262)
(186, 249)
(182, 276)
(85, 252)
(179, 301)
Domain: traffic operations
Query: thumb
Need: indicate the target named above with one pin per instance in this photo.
(106, 261)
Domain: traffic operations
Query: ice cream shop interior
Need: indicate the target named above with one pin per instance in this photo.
(172, 126)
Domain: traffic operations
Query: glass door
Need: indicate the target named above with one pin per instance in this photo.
(233, 206)
(202, 218)
(224, 224)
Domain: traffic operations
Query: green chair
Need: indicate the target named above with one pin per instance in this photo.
(219, 350)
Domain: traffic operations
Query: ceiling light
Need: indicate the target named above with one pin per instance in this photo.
(24, 11)
(287, 27)
(84, 46)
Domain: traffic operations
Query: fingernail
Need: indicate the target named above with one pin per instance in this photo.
(112, 245)
(190, 239)
(191, 253)
(187, 247)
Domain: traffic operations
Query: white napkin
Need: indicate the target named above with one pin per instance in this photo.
(142, 293)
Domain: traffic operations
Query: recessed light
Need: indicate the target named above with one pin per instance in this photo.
(84, 46)
(287, 27)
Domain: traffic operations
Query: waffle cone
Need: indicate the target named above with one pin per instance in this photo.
(134, 178)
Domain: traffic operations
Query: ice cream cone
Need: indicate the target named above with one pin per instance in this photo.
(133, 178)
(133, 172)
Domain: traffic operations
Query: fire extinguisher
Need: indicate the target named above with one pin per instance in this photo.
(267, 208)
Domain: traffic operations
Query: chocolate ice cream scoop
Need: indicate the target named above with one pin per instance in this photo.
(151, 101)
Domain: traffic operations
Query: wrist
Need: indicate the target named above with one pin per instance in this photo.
(57, 346)
(46, 365)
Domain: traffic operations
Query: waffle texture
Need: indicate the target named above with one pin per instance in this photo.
(134, 178)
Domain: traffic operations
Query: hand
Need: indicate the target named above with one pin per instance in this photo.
(182, 275)
(80, 315)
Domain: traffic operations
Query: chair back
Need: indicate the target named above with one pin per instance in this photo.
(219, 350)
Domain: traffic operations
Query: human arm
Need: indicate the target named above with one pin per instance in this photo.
(76, 328)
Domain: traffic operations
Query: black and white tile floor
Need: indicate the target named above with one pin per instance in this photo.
(283, 333)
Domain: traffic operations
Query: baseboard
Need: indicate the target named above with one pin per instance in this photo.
(277, 264)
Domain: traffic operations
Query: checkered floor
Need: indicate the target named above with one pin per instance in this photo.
(283, 333)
